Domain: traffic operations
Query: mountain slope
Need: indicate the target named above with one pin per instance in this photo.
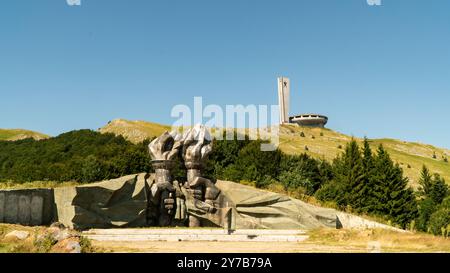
(325, 143)
(134, 131)
(320, 143)
(18, 134)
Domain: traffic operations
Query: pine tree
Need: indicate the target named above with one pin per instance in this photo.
(349, 172)
(368, 202)
(395, 199)
(426, 208)
(425, 182)
(439, 189)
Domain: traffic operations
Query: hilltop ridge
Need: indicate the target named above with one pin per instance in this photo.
(18, 134)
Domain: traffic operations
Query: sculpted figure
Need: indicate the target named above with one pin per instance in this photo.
(162, 206)
(197, 146)
(183, 203)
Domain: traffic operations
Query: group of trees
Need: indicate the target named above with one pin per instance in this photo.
(434, 204)
(83, 156)
(358, 179)
(243, 160)
(371, 184)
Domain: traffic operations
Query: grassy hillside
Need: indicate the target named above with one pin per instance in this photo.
(325, 143)
(17, 134)
(134, 131)
(320, 143)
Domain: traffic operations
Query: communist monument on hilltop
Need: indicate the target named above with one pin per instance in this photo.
(309, 120)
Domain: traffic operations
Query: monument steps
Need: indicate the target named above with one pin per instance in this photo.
(212, 235)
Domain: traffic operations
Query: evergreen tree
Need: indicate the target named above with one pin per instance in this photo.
(439, 189)
(368, 202)
(395, 199)
(347, 186)
(439, 223)
(426, 208)
(425, 182)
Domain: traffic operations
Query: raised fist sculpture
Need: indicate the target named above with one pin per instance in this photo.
(163, 150)
(170, 199)
(197, 146)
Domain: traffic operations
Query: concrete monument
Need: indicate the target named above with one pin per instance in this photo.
(156, 199)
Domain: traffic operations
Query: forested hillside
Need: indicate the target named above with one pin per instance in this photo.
(83, 156)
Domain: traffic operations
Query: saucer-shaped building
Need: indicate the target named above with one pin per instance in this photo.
(310, 120)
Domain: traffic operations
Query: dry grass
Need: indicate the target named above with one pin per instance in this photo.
(35, 185)
(16, 246)
(17, 134)
(379, 240)
(134, 131)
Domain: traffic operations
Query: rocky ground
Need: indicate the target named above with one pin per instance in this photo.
(54, 239)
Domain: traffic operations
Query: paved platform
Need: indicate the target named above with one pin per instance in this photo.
(196, 235)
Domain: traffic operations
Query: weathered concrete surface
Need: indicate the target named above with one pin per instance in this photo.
(2, 206)
(198, 235)
(11, 208)
(119, 202)
(356, 222)
(29, 207)
(37, 210)
(254, 208)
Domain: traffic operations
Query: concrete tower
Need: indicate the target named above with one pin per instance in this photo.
(284, 87)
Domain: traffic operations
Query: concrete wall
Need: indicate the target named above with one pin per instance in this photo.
(32, 207)
(65, 211)
(351, 221)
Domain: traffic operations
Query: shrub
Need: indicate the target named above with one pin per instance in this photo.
(439, 221)
(302, 171)
(86, 245)
(44, 243)
(331, 192)
(426, 208)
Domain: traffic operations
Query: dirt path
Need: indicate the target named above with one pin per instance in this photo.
(221, 247)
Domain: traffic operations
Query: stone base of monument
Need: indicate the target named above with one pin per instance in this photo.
(198, 235)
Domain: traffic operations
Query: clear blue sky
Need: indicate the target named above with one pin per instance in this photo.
(376, 71)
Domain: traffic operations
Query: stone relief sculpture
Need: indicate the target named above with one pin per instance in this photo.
(170, 200)
(163, 151)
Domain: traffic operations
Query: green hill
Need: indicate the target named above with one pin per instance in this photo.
(320, 143)
(18, 134)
